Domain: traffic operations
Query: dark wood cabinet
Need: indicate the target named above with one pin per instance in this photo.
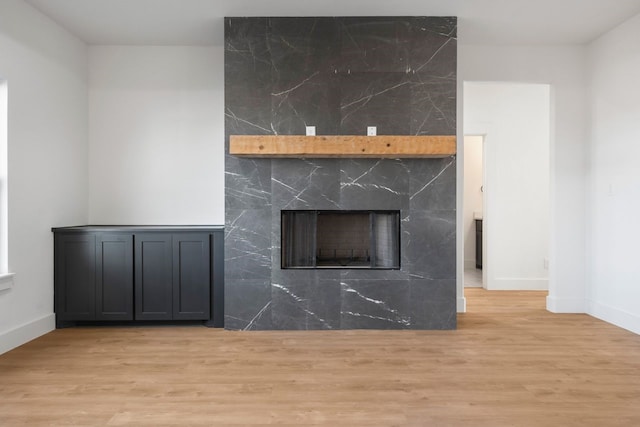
(105, 273)
(75, 277)
(114, 276)
(154, 277)
(190, 269)
(170, 270)
(478, 243)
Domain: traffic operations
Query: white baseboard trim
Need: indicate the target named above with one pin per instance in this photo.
(565, 305)
(6, 281)
(26, 332)
(615, 316)
(469, 264)
(479, 285)
(511, 284)
(461, 305)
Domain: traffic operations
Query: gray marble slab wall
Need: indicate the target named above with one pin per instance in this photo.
(340, 75)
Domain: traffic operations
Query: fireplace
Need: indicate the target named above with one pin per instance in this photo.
(341, 74)
(340, 239)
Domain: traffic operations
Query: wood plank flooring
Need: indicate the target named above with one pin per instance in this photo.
(510, 363)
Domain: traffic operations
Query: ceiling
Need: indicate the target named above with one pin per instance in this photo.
(199, 22)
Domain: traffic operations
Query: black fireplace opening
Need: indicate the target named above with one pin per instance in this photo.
(363, 239)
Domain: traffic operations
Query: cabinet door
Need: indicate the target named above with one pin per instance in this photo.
(114, 276)
(191, 276)
(479, 243)
(75, 276)
(153, 276)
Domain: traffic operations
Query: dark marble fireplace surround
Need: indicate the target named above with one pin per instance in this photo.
(341, 75)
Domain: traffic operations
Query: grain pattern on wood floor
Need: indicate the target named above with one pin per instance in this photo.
(510, 363)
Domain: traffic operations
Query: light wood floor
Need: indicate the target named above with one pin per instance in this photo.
(510, 363)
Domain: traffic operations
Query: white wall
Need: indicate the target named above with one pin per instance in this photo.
(563, 67)
(514, 118)
(472, 195)
(614, 184)
(156, 144)
(132, 87)
(46, 70)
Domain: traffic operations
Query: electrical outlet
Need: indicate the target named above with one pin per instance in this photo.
(545, 263)
(311, 131)
(371, 131)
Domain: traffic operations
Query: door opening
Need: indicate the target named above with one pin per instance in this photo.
(473, 210)
(514, 120)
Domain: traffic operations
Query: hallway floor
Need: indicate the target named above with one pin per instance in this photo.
(472, 278)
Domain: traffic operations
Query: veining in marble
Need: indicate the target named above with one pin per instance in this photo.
(341, 75)
(383, 304)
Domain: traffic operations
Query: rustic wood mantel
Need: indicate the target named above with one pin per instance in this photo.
(389, 146)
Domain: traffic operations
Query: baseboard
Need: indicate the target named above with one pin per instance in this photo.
(24, 333)
(6, 281)
(510, 284)
(565, 305)
(467, 285)
(469, 264)
(461, 305)
(615, 316)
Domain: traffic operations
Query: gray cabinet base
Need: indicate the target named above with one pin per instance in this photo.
(106, 275)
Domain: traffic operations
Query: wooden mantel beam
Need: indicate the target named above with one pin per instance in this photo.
(389, 146)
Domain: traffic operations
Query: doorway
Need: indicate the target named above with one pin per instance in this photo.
(473, 210)
(513, 120)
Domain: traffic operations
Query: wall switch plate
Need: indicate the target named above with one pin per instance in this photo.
(311, 130)
(371, 131)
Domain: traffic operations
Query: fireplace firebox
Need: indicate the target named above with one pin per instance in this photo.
(340, 239)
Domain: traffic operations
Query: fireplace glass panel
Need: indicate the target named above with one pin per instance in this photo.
(341, 239)
(386, 238)
(298, 236)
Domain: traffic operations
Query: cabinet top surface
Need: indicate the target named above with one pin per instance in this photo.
(133, 228)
